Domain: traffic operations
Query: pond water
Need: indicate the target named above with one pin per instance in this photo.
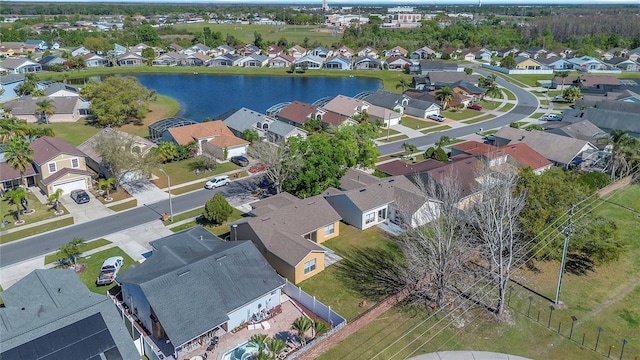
(207, 96)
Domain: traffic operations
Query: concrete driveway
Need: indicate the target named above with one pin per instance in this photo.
(94, 209)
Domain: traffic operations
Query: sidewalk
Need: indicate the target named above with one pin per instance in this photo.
(466, 355)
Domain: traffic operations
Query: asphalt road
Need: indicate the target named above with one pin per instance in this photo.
(39, 245)
(527, 105)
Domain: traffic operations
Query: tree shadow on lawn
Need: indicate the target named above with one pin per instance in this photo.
(578, 264)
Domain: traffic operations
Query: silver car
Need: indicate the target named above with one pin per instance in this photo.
(217, 181)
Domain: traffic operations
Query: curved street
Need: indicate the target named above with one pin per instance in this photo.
(39, 245)
(526, 105)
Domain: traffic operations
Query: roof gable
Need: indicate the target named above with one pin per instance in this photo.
(47, 148)
(185, 134)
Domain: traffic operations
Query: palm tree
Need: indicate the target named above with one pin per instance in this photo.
(625, 152)
(275, 347)
(106, 184)
(409, 148)
(301, 325)
(55, 199)
(319, 327)
(45, 108)
(71, 250)
(403, 83)
(445, 95)
(563, 75)
(19, 156)
(259, 341)
(492, 91)
(16, 196)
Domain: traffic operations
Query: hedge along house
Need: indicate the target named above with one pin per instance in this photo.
(194, 286)
(287, 231)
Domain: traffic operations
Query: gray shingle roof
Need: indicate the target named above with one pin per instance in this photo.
(385, 99)
(27, 105)
(606, 119)
(557, 148)
(583, 130)
(51, 313)
(205, 276)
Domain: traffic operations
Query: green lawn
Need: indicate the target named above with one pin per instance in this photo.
(488, 132)
(507, 107)
(328, 287)
(416, 124)
(125, 205)
(181, 172)
(42, 212)
(435, 129)
(537, 115)
(84, 247)
(477, 120)
(606, 297)
(20, 234)
(532, 80)
(544, 102)
(383, 132)
(218, 230)
(510, 95)
(94, 263)
(520, 123)
(459, 115)
(74, 133)
(489, 105)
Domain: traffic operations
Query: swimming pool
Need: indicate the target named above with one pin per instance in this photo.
(242, 352)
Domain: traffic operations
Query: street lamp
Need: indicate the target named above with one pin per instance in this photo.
(169, 187)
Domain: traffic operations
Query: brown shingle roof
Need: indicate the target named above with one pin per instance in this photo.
(462, 170)
(399, 167)
(522, 153)
(47, 148)
(298, 112)
(223, 137)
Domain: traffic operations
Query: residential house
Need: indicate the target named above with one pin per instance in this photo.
(213, 137)
(50, 61)
(449, 78)
(138, 49)
(281, 61)
(463, 170)
(198, 48)
(506, 51)
(397, 62)
(58, 89)
(287, 230)
(253, 60)
(424, 67)
(563, 52)
(268, 128)
(297, 113)
(623, 64)
(364, 201)
(177, 48)
(92, 60)
(399, 167)
(248, 50)
(396, 51)
(131, 59)
(521, 153)
(607, 118)
(170, 59)
(634, 54)
(615, 52)
(36, 44)
(560, 150)
(198, 59)
(463, 87)
(273, 51)
(194, 285)
(388, 100)
(11, 48)
(533, 52)
(65, 108)
(423, 53)
(345, 52)
(370, 52)
(59, 166)
(309, 62)
(118, 50)
(136, 145)
(367, 63)
(20, 66)
(225, 60)
(222, 49)
(589, 64)
(320, 52)
(421, 108)
(51, 314)
(8, 83)
(453, 53)
(349, 107)
(79, 51)
(525, 63)
(556, 63)
(586, 81)
(583, 130)
(338, 63)
(297, 51)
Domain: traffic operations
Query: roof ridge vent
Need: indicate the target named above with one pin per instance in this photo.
(183, 273)
(266, 218)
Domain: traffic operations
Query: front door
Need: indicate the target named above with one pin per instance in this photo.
(382, 215)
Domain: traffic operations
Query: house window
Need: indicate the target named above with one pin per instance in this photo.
(382, 214)
(75, 163)
(329, 229)
(369, 218)
(310, 266)
(52, 167)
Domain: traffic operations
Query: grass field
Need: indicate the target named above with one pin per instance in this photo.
(94, 263)
(510, 95)
(218, 230)
(393, 138)
(477, 120)
(460, 115)
(84, 247)
(435, 129)
(606, 297)
(42, 212)
(537, 115)
(414, 123)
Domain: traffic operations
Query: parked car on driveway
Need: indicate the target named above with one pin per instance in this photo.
(551, 117)
(258, 167)
(436, 117)
(475, 107)
(217, 181)
(109, 270)
(239, 160)
(80, 196)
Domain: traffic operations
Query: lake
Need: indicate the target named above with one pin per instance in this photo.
(202, 96)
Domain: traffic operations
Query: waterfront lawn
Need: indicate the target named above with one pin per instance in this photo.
(162, 107)
(75, 133)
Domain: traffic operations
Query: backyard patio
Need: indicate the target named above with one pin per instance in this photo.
(278, 326)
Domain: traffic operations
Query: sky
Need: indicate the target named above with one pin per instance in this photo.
(369, 2)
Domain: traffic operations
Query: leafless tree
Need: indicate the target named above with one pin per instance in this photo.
(277, 158)
(436, 251)
(497, 231)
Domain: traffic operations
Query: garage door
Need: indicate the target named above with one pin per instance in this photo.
(71, 185)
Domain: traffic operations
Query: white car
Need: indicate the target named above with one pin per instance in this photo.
(217, 181)
(436, 117)
(551, 117)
